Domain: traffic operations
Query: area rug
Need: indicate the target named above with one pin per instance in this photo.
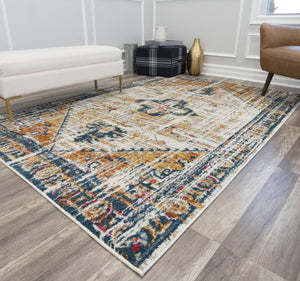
(136, 169)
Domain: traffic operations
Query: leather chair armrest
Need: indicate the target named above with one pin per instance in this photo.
(272, 35)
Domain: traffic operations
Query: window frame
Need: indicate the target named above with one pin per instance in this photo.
(259, 15)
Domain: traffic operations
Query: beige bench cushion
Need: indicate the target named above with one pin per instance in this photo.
(31, 61)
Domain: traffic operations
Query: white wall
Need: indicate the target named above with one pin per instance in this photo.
(189, 19)
(119, 22)
(47, 23)
(26, 24)
(228, 32)
(4, 36)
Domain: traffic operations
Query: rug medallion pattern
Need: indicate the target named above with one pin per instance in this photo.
(136, 169)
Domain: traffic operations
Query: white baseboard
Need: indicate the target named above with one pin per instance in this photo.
(208, 69)
(249, 74)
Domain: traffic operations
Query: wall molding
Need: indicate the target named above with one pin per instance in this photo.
(6, 25)
(7, 28)
(84, 22)
(247, 52)
(154, 16)
(214, 54)
(238, 30)
(93, 22)
(142, 20)
(249, 74)
(217, 54)
(85, 14)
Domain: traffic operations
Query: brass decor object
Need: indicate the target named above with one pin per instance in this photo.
(195, 58)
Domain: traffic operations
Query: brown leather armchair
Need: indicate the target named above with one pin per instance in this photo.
(279, 51)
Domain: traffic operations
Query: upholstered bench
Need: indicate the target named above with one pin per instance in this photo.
(28, 71)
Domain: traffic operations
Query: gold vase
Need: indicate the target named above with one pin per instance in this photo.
(195, 58)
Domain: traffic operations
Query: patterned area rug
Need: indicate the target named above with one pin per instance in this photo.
(134, 170)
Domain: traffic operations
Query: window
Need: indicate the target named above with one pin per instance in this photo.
(281, 7)
(275, 11)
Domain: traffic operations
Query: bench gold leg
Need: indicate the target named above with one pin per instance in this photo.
(120, 82)
(96, 84)
(9, 111)
(8, 107)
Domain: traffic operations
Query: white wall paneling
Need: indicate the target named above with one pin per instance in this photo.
(47, 23)
(84, 21)
(142, 20)
(94, 22)
(228, 35)
(218, 30)
(29, 24)
(5, 36)
(253, 46)
(88, 21)
(119, 22)
(250, 74)
(154, 23)
(239, 27)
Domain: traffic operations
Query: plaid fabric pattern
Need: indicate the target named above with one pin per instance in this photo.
(164, 61)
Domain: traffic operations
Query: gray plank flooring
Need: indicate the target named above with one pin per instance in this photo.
(250, 232)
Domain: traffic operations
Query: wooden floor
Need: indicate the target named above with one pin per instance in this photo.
(250, 232)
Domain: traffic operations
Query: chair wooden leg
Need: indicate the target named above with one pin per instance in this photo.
(96, 84)
(267, 83)
(121, 83)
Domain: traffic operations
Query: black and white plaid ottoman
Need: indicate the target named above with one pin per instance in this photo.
(164, 61)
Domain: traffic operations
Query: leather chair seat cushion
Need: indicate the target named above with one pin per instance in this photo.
(282, 60)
